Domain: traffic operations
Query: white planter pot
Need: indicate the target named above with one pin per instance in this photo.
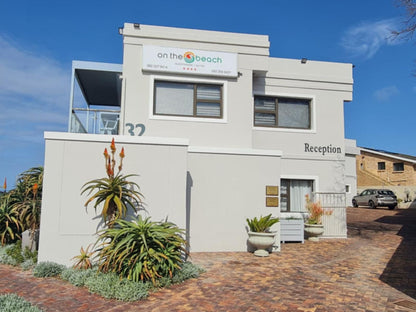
(313, 231)
(262, 242)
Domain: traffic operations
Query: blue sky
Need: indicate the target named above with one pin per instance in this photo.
(39, 40)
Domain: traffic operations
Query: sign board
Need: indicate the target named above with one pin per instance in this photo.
(272, 201)
(189, 61)
(272, 190)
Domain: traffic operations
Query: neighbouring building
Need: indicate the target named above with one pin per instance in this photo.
(217, 130)
(381, 169)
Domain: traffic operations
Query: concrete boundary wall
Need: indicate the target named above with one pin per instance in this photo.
(73, 159)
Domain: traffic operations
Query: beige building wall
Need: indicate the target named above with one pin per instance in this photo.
(368, 173)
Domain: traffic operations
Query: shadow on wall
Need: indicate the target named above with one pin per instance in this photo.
(400, 272)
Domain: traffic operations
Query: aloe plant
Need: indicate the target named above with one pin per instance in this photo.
(10, 224)
(262, 224)
(115, 192)
(26, 198)
(84, 259)
(141, 249)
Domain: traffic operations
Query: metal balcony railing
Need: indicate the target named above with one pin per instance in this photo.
(94, 121)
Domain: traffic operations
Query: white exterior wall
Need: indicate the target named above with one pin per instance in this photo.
(73, 159)
(350, 169)
(229, 186)
(206, 175)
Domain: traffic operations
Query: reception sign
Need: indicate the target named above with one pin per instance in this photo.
(189, 61)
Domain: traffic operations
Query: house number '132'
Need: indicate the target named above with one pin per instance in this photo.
(139, 128)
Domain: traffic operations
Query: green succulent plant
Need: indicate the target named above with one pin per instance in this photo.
(262, 224)
(115, 192)
(10, 225)
(141, 249)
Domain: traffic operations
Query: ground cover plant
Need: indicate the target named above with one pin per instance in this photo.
(14, 303)
(110, 285)
(48, 269)
(13, 254)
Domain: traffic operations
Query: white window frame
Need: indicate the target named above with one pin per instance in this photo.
(314, 179)
(180, 79)
(312, 100)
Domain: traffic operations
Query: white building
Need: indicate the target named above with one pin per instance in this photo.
(208, 121)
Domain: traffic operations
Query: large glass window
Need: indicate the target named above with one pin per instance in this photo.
(292, 194)
(282, 112)
(187, 99)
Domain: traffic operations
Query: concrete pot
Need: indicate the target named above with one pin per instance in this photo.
(262, 242)
(313, 231)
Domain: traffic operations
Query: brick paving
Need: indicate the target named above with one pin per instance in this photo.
(373, 270)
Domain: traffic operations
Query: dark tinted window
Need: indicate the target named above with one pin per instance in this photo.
(398, 167)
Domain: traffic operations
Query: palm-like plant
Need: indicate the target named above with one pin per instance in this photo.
(141, 249)
(10, 224)
(26, 198)
(115, 192)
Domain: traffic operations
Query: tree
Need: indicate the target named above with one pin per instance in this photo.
(409, 23)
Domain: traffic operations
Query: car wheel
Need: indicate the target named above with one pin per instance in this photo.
(354, 203)
(392, 207)
(371, 204)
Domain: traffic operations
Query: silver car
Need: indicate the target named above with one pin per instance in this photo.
(375, 198)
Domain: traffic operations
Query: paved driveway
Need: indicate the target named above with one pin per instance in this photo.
(373, 270)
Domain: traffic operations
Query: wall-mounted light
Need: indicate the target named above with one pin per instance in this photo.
(303, 60)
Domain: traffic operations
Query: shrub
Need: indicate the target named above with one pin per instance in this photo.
(13, 255)
(14, 303)
(5, 258)
(27, 198)
(10, 225)
(27, 264)
(141, 249)
(48, 269)
(30, 255)
(15, 252)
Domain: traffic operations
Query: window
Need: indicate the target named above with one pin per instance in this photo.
(187, 99)
(282, 112)
(292, 194)
(398, 167)
(381, 165)
(347, 188)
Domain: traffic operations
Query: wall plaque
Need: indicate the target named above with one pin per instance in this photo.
(272, 190)
(272, 201)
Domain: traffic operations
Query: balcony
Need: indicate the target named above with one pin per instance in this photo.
(95, 101)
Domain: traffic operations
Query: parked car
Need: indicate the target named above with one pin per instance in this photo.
(375, 198)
